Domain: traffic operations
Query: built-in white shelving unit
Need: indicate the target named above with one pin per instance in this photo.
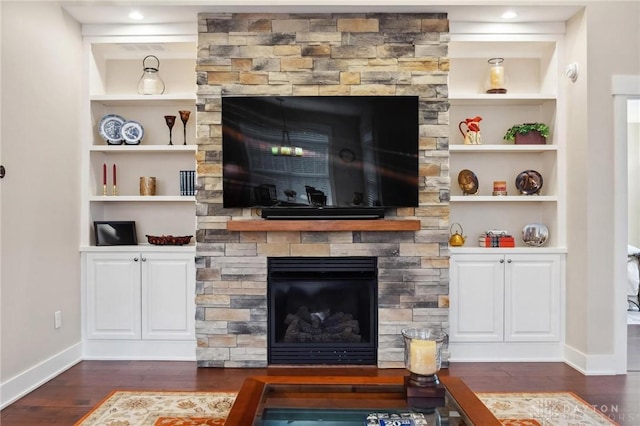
(507, 303)
(115, 65)
(138, 299)
(532, 64)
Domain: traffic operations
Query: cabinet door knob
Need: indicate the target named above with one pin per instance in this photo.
(508, 260)
(135, 259)
(144, 259)
(501, 260)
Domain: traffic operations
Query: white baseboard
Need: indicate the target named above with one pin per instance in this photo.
(150, 350)
(20, 385)
(506, 352)
(590, 365)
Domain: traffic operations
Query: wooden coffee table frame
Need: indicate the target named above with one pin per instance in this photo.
(247, 404)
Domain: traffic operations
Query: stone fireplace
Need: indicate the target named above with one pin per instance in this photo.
(315, 55)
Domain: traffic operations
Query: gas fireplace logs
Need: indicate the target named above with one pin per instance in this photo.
(323, 326)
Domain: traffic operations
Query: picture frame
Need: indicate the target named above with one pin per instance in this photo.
(115, 233)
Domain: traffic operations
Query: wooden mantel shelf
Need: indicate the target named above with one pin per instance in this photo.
(324, 225)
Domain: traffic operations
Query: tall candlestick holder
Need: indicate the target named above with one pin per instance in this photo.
(170, 120)
(184, 117)
(423, 360)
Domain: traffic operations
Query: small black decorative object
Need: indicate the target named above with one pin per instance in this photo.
(115, 233)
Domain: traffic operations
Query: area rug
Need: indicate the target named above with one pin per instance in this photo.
(543, 409)
(125, 408)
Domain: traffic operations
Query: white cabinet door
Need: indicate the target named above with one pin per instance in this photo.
(532, 298)
(476, 298)
(113, 296)
(168, 292)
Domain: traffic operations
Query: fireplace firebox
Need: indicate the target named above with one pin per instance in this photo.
(322, 310)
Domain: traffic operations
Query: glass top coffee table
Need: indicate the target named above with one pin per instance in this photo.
(347, 400)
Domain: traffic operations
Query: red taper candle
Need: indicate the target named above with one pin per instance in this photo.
(104, 174)
(114, 175)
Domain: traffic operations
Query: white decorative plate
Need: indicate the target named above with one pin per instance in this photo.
(132, 132)
(109, 128)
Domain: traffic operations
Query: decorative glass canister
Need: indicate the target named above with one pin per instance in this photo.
(496, 78)
(150, 83)
(423, 353)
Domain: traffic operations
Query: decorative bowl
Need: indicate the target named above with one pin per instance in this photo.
(169, 240)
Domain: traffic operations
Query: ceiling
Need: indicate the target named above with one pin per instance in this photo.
(161, 12)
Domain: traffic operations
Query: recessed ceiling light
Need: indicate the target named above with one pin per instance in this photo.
(136, 15)
(509, 14)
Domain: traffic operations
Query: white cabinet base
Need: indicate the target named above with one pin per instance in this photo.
(506, 306)
(184, 350)
(139, 304)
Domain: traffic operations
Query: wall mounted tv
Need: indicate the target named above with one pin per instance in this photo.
(324, 156)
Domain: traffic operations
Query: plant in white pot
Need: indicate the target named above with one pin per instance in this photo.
(528, 134)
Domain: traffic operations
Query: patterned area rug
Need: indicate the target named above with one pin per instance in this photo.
(124, 408)
(543, 409)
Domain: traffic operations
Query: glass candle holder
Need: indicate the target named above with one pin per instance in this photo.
(150, 83)
(423, 353)
(496, 78)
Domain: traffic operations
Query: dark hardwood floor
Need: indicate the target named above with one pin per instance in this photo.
(66, 398)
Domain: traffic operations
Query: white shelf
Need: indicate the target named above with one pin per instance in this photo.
(501, 148)
(144, 199)
(503, 199)
(169, 149)
(142, 100)
(189, 248)
(479, 99)
(470, 249)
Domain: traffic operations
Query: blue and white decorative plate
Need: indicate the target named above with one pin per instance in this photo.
(109, 128)
(132, 132)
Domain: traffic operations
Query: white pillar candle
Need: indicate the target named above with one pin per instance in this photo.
(497, 77)
(149, 87)
(422, 357)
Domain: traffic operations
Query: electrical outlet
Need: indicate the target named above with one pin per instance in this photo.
(57, 319)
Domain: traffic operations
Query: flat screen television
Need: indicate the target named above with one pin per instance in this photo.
(305, 156)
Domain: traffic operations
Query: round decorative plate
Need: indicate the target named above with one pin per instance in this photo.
(109, 128)
(529, 182)
(468, 182)
(132, 132)
(535, 234)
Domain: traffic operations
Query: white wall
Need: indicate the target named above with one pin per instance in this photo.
(40, 264)
(590, 264)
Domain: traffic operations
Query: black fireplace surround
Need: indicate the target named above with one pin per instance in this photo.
(322, 310)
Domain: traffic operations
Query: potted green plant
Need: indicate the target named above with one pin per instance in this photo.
(528, 133)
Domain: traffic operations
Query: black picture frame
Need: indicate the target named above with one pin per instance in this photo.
(115, 233)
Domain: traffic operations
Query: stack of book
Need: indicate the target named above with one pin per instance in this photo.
(187, 182)
(496, 239)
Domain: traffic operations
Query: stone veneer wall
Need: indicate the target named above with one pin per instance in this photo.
(319, 54)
